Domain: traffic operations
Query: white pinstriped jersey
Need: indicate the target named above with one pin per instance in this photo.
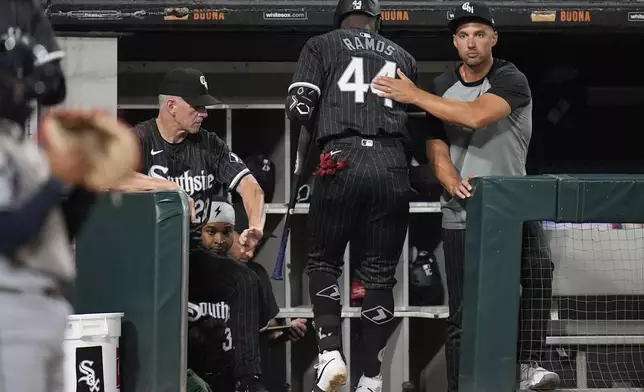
(341, 65)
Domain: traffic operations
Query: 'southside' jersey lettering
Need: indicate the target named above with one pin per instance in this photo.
(189, 183)
(219, 310)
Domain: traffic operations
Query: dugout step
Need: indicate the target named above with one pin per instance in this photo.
(431, 312)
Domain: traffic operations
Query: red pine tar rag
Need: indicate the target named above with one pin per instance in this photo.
(328, 166)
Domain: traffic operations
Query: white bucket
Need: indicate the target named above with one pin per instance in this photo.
(91, 349)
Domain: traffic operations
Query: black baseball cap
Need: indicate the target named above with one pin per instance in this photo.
(189, 84)
(471, 11)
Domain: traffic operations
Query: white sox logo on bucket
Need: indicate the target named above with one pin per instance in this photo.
(89, 369)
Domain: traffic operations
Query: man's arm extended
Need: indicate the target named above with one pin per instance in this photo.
(509, 91)
(253, 198)
(485, 110)
(138, 182)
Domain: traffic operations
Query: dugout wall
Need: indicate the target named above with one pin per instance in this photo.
(496, 212)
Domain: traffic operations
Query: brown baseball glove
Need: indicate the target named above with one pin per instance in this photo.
(111, 147)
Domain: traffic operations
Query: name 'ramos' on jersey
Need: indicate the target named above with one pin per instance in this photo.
(342, 65)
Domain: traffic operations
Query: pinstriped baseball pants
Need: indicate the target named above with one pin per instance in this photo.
(367, 202)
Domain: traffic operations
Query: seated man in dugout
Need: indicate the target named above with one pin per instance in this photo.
(278, 331)
(224, 310)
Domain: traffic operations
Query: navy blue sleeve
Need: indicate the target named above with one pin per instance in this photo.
(17, 226)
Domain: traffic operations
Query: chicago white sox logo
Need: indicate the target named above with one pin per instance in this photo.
(202, 80)
(93, 382)
(467, 7)
(357, 4)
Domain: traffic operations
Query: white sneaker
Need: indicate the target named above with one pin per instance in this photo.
(370, 384)
(331, 372)
(535, 377)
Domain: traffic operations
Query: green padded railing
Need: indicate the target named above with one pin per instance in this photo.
(132, 257)
(495, 214)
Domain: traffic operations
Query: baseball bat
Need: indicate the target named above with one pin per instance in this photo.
(304, 147)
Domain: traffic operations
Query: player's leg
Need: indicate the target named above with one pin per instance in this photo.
(454, 250)
(384, 231)
(536, 301)
(334, 205)
(28, 347)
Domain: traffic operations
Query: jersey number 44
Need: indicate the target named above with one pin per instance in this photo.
(355, 71)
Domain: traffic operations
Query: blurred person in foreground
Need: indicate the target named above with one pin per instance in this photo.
(44, 198)
(485, 106)
(227, 311)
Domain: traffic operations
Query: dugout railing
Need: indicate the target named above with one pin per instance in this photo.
(132, 258)
(496, 213)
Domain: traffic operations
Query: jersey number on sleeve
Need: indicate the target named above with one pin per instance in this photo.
(228, 341)
(355, 70)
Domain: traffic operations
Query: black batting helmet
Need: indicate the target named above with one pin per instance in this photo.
(345, 7)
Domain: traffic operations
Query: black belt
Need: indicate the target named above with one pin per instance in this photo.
(364, 141)
(50, 292)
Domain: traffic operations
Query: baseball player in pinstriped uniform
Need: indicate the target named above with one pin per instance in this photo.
(227, 307)
(485, 105)
(362, 185)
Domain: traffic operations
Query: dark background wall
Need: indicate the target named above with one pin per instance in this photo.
(593, 75)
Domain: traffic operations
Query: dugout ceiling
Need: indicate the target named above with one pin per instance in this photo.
(302, 15)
